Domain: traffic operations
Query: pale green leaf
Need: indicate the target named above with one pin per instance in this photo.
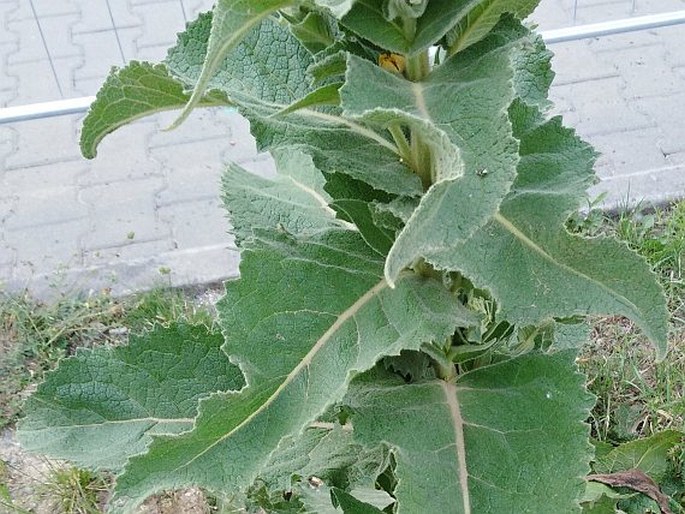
(131, 93)
(269, 66)
(305, 317)
(474, 168)
(532, 266)
(101, 406)
(368, 18)
(351, 503)
(294, 201)
(266, 74)
(337, 146)
(324, 95)
(231, 22)
(314, 32)
(509, 437)
(327, 451)
(360, 213)
(650, 455)
(337, 7)
(405, 9)
(482, 18)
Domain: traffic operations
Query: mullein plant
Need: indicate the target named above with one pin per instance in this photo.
(403, 334)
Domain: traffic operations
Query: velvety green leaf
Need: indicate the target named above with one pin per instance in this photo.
(509, 437)
(368, 18)
(269, 66)
(474, 168)
(291, 202)
(231, 22)
(101, 406)
(404, 9)
(131, 93)
(650, 455)
(352, 505)
(265, 75)
(325, 95)
(533, 267)
(330, 67)
(482, 18)
(337, 146)
(337, 7)
(327, 451)
(361, 214)
(314, 32)
(305, 317)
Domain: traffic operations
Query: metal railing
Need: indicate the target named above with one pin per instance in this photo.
(81, 105)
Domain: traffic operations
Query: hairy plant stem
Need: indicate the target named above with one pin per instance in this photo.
(403, 146)
(418, 67)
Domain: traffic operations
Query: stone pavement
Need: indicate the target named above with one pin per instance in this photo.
(147, 211)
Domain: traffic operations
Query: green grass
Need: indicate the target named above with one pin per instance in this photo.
(636, 396)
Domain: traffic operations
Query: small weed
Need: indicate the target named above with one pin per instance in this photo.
(76, 491)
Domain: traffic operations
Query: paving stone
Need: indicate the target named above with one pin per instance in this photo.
(672, 38)
(123, 213)
(123, 156)
(645, 71)
(576, 62)
(129, 250)
(55, 30)
(648, 187)
(194, 7)
(48, 141)
(629, 152)
(101, 52)
(8, 259)
(162, 21)
(44, 8)
(668, 112)
(203, 265)
(192, 171)
(645, 7)
(603, 109)
(186, 217)
(95, 16)
(7, 209)
(36, 80)
(49, 246)
(202, 124)
(44, 195)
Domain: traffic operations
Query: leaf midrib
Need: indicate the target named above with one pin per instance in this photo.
(450, 393)
(346, 315)
(526, 241)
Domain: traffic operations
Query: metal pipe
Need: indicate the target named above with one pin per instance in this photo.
(613, 27)
(45, 109)
(80, 105)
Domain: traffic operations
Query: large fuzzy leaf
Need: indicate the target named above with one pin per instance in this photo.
(101, 406)
(532, 266)
(267, 74)
(268, 66)
(131, 93)
(306, 316)
(294, 201)
(232, 21)
(504, 438)
(469, 181)
(482, 18)
(368, 18)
